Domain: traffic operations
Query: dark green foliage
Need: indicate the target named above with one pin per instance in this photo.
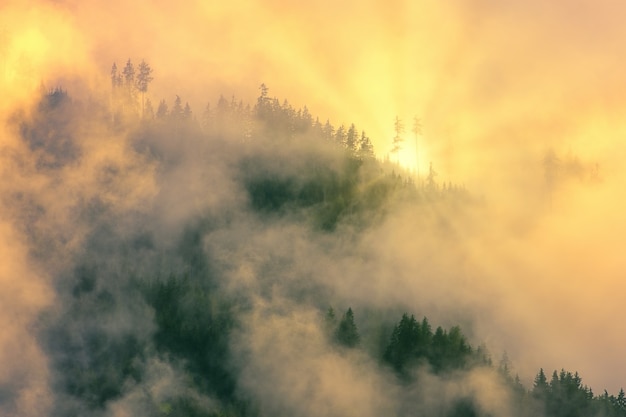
(413, 343)
(50, 131)
(410, 341)
(188, 407)
(94, 356)
(347, 333)
(463, 407)
(110, 363)
(194, 325)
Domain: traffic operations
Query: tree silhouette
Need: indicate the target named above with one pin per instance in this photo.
(398, 127)
(417, 130)
(143, 80)
(347, 333)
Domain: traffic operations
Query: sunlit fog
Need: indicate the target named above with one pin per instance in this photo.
(270, 208)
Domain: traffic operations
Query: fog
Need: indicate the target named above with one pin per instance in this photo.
(534, 269)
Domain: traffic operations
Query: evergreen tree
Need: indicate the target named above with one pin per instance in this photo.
(365, 149)
(347, 333)
(431, 184)
(129, 77)
(403, 343)
(143, 80)
(417, 130)
(177, 109)
(187, 112)
(162, 112)
(149, 110)
(330, 321)
(114, 77)
(328, 131)
(340, 135)
(398, 127)
(351, 138)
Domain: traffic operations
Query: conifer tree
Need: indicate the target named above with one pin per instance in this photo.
(351, 138)
(417, 130)
(143, 80)
(347, 333)
(177, 109)
(129, 77)
(398, 127)
(162, 110)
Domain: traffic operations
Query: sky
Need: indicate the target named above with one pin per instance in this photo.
(496, 85)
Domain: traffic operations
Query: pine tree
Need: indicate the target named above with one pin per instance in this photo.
(162, 110)
(330, 321)
(351, 138)
(366, 149)
(177, 109)
(417, 130)
(347, 333)
(114, 77)
(129, 77)
(398, 127)
(328, 131)
(143, 80)
(340, 135)
(187, 112)
(402, 346)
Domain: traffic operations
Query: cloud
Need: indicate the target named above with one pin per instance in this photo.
(533, 269)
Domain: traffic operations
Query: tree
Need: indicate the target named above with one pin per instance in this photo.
(417, 130)
(431, 184)
(114, 77)
(340, 135)
(365, 149)
(129, 77)
(187, 111)
(620, 401)
(177, 109)
(398, 127)
(540, 383)
(347, 333)
(330, 321)
(162, 110)
(263, 103)
(149, 110)
(143, 80)
(351, 138)
(328, 130)
(403, 343)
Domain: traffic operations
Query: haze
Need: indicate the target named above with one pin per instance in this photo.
(497, 85)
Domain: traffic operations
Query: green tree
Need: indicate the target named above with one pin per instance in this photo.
(347, 333)
(340, 135)
(540, 384)
(330, 321)
(352, 138)
(366, 149)
(402, 345)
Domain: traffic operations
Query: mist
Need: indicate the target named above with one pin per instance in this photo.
(520, 103)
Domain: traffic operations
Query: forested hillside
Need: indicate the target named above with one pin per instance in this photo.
(231, 261)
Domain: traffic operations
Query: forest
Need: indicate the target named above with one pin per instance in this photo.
(224, 262)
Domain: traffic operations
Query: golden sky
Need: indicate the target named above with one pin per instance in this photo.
(495, 83)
